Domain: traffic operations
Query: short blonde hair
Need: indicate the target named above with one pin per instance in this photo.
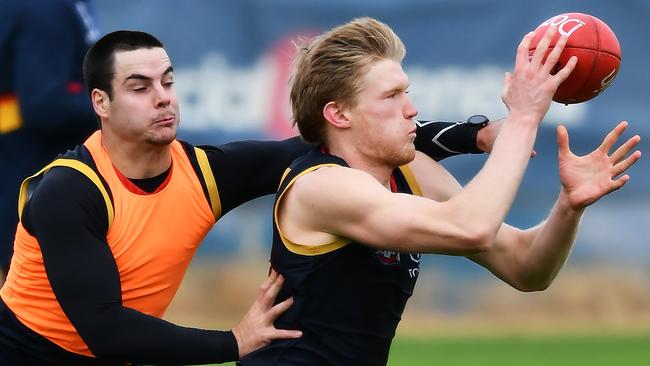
(330, 67)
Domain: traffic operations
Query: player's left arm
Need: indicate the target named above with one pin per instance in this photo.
(245, 170)
(530, 259)
(440, 140)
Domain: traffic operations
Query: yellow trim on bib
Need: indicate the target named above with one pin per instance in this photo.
(210, 182)
(410, 180)
(284, 175)
(76, 165)
(303, 249)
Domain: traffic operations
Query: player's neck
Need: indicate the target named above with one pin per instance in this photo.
(357, 160)
(137, 160)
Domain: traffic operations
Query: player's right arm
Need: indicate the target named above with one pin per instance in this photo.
(333, 202)
(337, 201)
(350, 203)
(343, 202)
(67, 215)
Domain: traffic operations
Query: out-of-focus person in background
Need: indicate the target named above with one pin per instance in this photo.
(44, 108)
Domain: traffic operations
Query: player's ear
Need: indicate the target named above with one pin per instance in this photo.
(335, 114)
(100, 102)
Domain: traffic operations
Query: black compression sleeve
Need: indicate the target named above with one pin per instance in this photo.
(440, 140)
(245, 170)
(68, 217)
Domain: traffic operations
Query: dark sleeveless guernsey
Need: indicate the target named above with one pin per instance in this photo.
(348, 297)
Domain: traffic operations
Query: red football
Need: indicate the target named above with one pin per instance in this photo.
(597, 49)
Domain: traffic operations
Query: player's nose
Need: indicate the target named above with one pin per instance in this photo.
(410, 111)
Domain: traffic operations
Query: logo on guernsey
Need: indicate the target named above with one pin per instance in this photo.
(387, 257)
(415, 258)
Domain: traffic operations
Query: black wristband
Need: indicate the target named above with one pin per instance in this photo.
(474, 124)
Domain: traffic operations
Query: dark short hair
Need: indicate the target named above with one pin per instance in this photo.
(99, 63)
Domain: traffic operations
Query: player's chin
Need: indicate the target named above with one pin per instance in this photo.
(410, 155)
(407, 155)
(165, 137)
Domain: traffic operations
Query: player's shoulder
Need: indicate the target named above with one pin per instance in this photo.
(64, 180)
(72, 174)
(313, 160)
(316, 157)
(64, 191)
(332, 178)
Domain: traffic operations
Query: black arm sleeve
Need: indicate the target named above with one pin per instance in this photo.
(245, 170)
(440, 140)
(67, 215)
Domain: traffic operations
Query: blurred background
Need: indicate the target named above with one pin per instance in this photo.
(232, 60)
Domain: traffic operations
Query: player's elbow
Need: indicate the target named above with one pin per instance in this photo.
(482, 237)
(104, 333)
(537, 287)
(474, 240)
(471, 234)
(532, 284)
(463, 240)
(480, 243)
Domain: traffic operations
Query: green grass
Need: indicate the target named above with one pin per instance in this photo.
(592, 350)
(553, 350)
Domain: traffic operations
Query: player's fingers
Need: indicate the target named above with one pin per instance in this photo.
(624, 149)
(563, 141)
(626, 164)
(521, 59)
(280, 308)
(612, 136)
(618, 183)
(264, 287)
(507, 80)
(285, 334)
(554, 55)
(564, 72)
(542, 47)
(272, 292)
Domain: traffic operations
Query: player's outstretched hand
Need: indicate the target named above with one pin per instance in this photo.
(528, 90)
(585, 179)
(256, 329)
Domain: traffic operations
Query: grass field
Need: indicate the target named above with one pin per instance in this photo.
(564, 350)
(592, 316)
(593, 350)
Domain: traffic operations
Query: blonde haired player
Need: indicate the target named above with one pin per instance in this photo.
(353, 215)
